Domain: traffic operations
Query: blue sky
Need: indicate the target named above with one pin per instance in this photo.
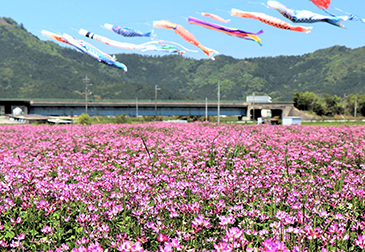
(68, 16)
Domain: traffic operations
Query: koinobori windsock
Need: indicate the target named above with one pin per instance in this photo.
(160, 46)
(185, 34)
(94, 52)
(230, 31)
(304, 16)
(127, 32)
(273, 21)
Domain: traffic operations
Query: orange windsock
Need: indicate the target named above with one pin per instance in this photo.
(185, 34)
(273, 21)
(54, 36)
(322, 3)
(215, 17)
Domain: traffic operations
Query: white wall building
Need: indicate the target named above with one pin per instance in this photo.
(292, 120)
(258, 99)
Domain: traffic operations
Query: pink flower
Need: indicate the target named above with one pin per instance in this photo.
(175, 243)
(16, 244)
(20, 237)
(223, 247)
(162, 238)
(167, 247)
(17, 221)
(47, 230)
(80, 249)
(274, 246)
(224, 221)
(64, 247)
(360, 241)
(104, 228)
(83, 218)
(82, 240)
(4, 244)
(234, 233)
(198, 220)
(126, 246)
(130, 247)
(137, 247)
(95, 247)
(42, 204)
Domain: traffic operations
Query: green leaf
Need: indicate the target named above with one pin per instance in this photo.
(10, 234)
(80, 230)
(71, 238)
(33, 232)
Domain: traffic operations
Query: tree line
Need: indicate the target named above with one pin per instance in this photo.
(330, 105)
(33, 68)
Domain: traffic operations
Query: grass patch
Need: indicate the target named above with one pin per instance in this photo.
(334, 123)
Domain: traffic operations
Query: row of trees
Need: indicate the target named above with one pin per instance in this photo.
(330, 105)
(121, 119)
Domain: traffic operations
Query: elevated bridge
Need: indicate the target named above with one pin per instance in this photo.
(140, 108)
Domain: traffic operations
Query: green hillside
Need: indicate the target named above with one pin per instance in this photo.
(31, 68)
(336, 70)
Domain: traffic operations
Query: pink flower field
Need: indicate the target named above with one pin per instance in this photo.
(182, 187)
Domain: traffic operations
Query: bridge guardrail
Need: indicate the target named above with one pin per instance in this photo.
(129, 100)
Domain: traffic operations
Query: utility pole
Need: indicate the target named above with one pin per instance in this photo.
(206, 109)
(156, 89)
(72, 119)
(253, 106)
(136, 107)
(86, 81)
(355, 109)
(344, 104)
(219, 100)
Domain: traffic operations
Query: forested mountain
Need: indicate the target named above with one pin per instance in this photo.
(31, 68)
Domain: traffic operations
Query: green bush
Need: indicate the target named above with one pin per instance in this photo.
(197, 118)
(84, 119)
(212, 118)
(152, 118)
(120, 119)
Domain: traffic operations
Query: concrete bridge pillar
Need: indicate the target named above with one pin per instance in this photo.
(277, 109)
